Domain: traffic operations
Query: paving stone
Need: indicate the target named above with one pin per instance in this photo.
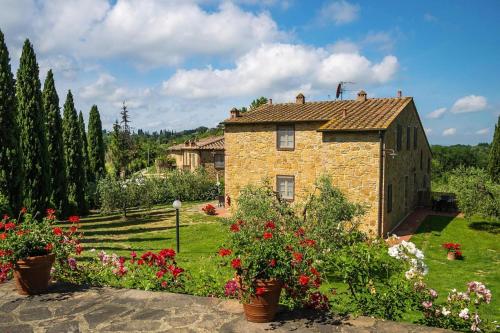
(24, 328)
(149, 314)
(133, 326)
(72, 326)
(103, 314)
(6, 318)
(34, 313)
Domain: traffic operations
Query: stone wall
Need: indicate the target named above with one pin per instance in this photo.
(352, 160)
(405, 164)
(208, 162)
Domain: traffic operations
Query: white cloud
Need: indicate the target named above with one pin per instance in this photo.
(483, 131)
(147, 32)
(383, 40)
(275, 68)
(471, 103)
(340, 12)
(438, 113)
(449, 131)
(343, 46)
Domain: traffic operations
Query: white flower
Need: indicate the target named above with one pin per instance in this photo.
(464, 314)
(445, 311)
(393, 251)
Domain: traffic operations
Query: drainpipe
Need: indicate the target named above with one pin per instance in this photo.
(381, 183)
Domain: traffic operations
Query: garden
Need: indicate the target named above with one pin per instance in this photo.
(319, 260)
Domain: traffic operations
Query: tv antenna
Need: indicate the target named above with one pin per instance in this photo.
(341, 89)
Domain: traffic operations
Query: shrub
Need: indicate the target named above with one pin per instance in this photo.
(4, 204)
(117, 194)
(459, 312)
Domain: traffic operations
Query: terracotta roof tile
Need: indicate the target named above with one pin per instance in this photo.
(211, 143)
(347, 115)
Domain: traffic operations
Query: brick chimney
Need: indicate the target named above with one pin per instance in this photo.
(270, 101)
(361, 96)
(400, 94)
(235, 113)
(300, 99)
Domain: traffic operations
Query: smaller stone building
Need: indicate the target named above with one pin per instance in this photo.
(207, 153)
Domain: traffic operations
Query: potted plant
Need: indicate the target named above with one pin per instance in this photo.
(267, 256)
(453, 251)
(29, 248)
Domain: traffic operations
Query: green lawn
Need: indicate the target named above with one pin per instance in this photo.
(480, 242)
(200, 235)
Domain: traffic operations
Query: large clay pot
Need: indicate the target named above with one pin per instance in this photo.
(32, 275)
(263, 308)
(452, 256)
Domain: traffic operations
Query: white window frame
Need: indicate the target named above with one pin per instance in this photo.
(285, 137)
(288, 192)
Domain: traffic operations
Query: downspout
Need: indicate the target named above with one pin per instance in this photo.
(381, 183)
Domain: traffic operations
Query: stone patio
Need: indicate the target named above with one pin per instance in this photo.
(72, 309)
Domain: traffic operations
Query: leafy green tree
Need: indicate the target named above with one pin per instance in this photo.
(494, 158)
(258, 102)
(122, 145)
(53, 123)
(31, 120)
(10, 157)
(85, 151)
(96, 148)
(73, 156)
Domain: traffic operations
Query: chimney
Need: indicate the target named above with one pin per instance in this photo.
(400, 94)
(361, 96)
(270, 101)
(300, 99)
(235, 113)
(344, 113)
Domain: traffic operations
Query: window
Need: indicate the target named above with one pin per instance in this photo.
(285, 137)
(399, 137)
(415, 137)
(219, 161)
(285, 186)
(421, 159)
(408, 138)
(389, 198)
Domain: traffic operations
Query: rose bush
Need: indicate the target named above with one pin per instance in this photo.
(209, 209)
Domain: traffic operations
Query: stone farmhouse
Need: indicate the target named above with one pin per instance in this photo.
(374, 149)
(207, 153)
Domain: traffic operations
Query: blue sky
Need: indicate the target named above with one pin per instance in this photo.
(180, 64)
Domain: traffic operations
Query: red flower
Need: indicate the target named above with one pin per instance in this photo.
(303, 280)
(133, 254)
(235, 227)
(24, 210)
(224, 252)
(49, 247)
(140, 262)
(175, 270)
(272, 262)
(236, 263)
(314, 271)
(74, 219)
(3, 236)
(167, 253)
(51, 214)
(160, 274)
(78, 249)
(267, 235)
(2, 225)
(298, 256)
(270, 225)
(164, 284)
(308, 242)
(57, 231)
(260, 291)
(9, 226)
(73, 229)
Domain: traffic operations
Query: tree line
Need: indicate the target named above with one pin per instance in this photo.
(46, 161)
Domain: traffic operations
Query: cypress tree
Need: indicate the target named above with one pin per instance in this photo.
(31, 122)
(10, 157)
(53, 124)
(96, 145)
(72, 139)
(494, 158)
(85, 153)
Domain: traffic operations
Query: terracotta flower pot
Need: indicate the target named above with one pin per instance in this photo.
(452, 256)
(263, 308)
(32, 275)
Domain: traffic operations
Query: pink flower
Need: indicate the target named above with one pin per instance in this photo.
(231, 288)
(427, 304)
(433, 293)
(72, 263)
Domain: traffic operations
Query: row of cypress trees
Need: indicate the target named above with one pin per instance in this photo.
(45, 160)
